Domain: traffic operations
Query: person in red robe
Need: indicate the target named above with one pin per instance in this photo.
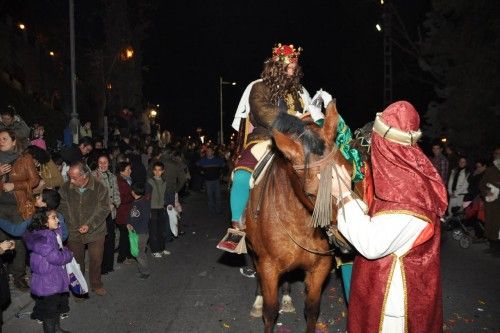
(396, 284)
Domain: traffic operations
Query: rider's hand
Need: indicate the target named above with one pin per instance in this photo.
(315, 112)
(326, 97)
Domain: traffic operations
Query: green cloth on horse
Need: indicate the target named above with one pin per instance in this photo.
(344, 137)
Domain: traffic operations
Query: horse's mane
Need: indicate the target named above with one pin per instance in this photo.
(311, 141)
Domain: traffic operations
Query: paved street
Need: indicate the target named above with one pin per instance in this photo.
(199, 289)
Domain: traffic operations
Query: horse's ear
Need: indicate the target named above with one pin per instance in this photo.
(331, 122)
(291, 149)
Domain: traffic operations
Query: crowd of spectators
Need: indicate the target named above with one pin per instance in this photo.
(90, 196)
(472, 191)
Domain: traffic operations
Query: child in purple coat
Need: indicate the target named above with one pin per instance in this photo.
(49, 279)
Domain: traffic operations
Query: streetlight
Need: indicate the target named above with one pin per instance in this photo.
(221, 82)
(21, 26)
(52, 53)
(379, 28)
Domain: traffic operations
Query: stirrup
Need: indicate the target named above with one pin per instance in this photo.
(233, 242)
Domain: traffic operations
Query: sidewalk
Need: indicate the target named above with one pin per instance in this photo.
(20, 302)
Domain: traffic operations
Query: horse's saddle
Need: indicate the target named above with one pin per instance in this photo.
(264, 154)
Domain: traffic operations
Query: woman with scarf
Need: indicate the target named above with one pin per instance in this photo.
(18, 177)
(105, 176)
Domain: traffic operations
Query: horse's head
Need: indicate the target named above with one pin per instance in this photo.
(312, 152)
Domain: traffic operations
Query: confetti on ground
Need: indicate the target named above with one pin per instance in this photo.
(226, 325)
(321, 327)
(283, 329)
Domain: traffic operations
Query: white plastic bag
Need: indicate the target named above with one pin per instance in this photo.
(77, 283)
(173, 220)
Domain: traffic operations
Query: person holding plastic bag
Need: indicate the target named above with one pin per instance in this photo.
(138, 223)
(49, 279)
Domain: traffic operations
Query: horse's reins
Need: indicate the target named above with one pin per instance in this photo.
(319, 164)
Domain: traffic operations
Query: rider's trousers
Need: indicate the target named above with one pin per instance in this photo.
(240, 192)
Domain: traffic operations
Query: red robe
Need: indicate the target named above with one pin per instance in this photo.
(421, 275)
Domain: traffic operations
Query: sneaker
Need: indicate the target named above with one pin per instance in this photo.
(64, 315)
(166, 252)
(247, 272)
(143, 276)
(157, 254)
(100, 291)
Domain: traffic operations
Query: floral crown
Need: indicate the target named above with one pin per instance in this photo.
(286, 53)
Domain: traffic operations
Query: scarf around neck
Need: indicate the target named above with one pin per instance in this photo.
(8, 157)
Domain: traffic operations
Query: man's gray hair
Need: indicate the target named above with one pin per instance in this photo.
(82, 167)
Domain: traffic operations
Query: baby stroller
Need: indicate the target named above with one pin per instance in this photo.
(466, 223)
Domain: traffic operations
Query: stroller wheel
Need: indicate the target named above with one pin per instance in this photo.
(457, 234)
(465, 241)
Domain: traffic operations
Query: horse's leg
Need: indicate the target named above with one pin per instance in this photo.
(286, 299)
(314, 281)
(257, 304)
(269, 279)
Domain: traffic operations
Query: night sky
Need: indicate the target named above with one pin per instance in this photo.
(192, 43)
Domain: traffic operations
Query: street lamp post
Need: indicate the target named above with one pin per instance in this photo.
(74, 122)
(221, 82)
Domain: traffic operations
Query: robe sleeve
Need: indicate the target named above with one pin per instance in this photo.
(379, 236)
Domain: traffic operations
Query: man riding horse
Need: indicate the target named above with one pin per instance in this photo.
(278, 91)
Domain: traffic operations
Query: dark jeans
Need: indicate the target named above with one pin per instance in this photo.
(96, 249)
(124, 244)
(157, 230)
(108, 255)
(16, 259)
(213, 194)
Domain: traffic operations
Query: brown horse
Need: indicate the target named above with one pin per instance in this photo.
(278, 216)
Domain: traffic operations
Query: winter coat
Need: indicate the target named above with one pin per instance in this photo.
(491, 209)
(110, 181)
(47, 260)
(51, 175)
(90, 207)
(25, 177)
(126, 199)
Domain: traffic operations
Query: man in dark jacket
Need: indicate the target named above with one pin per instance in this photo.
(85, 204)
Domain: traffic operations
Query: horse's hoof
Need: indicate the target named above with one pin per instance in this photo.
(256, 312)
(257, 307)
(287, 305)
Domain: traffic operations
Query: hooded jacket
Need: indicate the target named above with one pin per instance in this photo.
(47, 262)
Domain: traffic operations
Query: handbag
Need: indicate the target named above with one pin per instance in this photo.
(233, 242)
(134, 243)
(77, 283)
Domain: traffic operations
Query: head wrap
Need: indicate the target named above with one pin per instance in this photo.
(402, 173)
